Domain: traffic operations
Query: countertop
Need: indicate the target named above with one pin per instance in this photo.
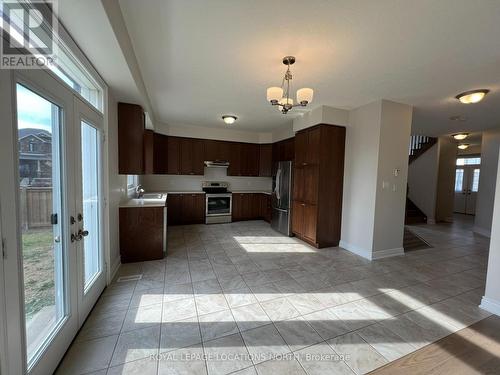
(251, 192)
(133, 202)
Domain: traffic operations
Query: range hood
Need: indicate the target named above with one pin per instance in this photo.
(216, 163)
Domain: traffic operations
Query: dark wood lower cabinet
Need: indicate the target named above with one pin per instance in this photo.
(251, 206)
(183, 209)
(141, 233)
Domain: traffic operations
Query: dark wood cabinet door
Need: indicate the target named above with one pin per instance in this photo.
(130, 139)
(186, 156)
(216, 150)
(197, 157)
(160, 155)
(237, 203)
(301, 148)
(173, 155)
(310, 183)
(313, 146)
(255, 206)
(265, 160)
(141, 233)
(289, 149)
(199, 208)
(193, 208)
(211, 149)
(174, 209)
(148, 158)
(297, 217)
(234, 159)
(298, 184)
(249, 159)
(310, 215)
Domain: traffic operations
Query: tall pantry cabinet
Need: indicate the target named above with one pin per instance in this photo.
(318, 184)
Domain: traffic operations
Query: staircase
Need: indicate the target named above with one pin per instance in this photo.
(418, 145)
(411, 241)
(413, 214)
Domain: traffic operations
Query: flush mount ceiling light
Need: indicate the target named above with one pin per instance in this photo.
(280, 96)
(473, 96)
(463, 146)
(460, 136)
(229, 119)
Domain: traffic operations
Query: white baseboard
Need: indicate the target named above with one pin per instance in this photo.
(490, 305)
(482, 231)
(368, 254)
(114, 269)
(388, 253)
(356, 250)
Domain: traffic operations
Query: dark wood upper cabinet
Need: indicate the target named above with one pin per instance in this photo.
(234, 159)
(265, 160)
(216, 150)
(131, 131)
(249, 159)
(149, 159)
(192, 155)
(173, 155)
(318, 184)
(160, 153)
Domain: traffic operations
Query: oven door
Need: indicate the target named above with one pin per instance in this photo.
(218, 205)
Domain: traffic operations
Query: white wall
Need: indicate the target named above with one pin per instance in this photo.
(491, 299)
(360, 177)
(117, 185)
(321, 115)
(422, 182)
(392, 174)
(445, 193)
(173, 183)
(374, 198)
(487, 181)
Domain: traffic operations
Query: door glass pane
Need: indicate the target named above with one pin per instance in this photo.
(41, 215)
(475, 181)
(459, 179)
(91, 203)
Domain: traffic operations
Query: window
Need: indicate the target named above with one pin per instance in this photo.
(132, 182)
(475, 160)
(66, 66)
(475, 181)
(459, 179)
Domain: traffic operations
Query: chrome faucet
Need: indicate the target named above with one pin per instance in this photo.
(139, 191)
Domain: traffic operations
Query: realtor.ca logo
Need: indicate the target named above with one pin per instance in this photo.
(28, 34)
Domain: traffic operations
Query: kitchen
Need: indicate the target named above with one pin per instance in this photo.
(294, 184)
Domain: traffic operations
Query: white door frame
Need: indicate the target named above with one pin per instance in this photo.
(83, 112)
(44, 84)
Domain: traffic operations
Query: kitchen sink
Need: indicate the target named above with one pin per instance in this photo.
(153, 196)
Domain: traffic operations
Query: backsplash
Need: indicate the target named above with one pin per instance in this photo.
(193, 183)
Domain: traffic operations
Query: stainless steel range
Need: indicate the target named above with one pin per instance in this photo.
(218, 202)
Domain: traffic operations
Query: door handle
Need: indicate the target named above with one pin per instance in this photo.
(81, 234)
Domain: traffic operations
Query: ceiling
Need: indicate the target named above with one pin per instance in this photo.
(201, 59)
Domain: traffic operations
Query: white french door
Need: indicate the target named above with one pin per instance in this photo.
(59, 144)
(88, 168)
(466, 188)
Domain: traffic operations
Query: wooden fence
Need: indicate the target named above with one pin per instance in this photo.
(36, 207)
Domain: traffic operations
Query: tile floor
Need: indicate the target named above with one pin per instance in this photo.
(240, 298)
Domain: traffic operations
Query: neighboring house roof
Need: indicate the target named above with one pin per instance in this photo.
(41, 134)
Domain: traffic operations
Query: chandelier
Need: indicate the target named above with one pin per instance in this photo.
(280, 96)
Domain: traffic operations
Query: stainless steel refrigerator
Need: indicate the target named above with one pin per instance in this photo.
(281, 197)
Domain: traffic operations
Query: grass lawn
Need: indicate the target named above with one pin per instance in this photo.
(38, 262)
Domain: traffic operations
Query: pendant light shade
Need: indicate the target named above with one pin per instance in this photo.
(305, 95)
(274, 94)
